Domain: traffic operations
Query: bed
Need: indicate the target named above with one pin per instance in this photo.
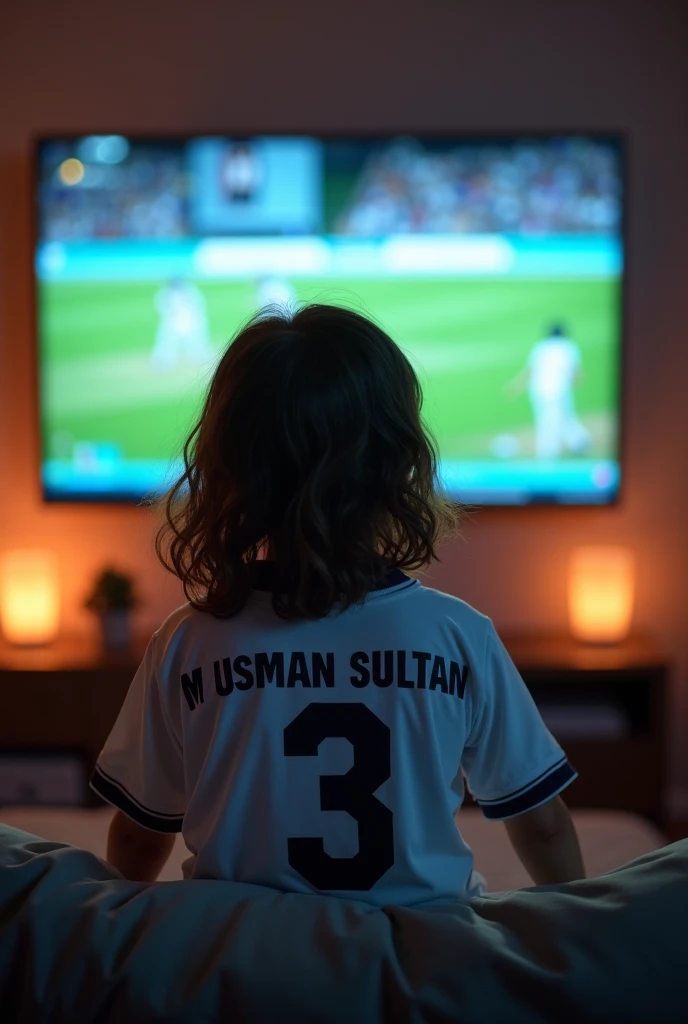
(78, 943)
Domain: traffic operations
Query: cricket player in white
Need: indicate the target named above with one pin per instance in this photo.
(275, 291)
(551, 372)
(330, 755)
(183, 331)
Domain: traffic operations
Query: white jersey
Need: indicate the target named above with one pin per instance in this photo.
(553, 363)
(329, 756)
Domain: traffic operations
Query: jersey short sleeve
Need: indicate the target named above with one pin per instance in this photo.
(511, 761)
(140, 770)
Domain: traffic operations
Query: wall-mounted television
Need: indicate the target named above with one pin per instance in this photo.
(495, 262)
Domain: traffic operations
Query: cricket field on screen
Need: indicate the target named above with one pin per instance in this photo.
(466, 337)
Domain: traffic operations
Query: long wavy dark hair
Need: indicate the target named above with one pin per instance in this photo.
(310, 440)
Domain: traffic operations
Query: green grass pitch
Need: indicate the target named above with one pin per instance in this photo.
(467, 337)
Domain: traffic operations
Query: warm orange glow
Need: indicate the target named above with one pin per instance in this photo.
(29, 596)
(601, 592)
(71, 171)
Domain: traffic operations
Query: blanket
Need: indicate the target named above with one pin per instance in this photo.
(78, 943)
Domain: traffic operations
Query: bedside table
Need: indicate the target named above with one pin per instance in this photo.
(609, 704)
(63, 698)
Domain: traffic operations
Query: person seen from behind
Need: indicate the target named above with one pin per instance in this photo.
(311, 717)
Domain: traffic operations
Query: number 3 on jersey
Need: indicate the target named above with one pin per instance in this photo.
(352, 792)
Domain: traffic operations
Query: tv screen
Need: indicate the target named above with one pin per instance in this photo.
(496, 263)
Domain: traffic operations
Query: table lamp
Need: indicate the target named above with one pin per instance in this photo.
(29, 596)
(601, 592)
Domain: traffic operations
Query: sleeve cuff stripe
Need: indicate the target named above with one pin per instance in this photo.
(528, 785)
(116, 795)
(542, 791)
(109, 778)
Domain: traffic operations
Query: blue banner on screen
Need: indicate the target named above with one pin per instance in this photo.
(495, 263)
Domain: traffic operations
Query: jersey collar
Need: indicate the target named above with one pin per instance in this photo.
(263, 576)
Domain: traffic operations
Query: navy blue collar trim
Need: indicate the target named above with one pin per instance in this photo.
(263, 575)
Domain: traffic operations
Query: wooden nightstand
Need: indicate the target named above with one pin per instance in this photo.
(620, 691)
(68, 696)
(65, 697)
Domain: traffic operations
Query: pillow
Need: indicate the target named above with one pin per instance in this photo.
(78, 943)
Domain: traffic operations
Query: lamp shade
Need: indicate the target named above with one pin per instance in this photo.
(29, 596)
(601, 593)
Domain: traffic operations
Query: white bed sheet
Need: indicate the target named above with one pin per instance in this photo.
(608, 839)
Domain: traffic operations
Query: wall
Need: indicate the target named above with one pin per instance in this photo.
(534, 64)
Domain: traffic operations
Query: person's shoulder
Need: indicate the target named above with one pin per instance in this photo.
(189, 623)
(184, 623)
(169, 628)
(439, 602)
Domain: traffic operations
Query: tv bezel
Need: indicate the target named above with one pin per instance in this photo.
(619, 137)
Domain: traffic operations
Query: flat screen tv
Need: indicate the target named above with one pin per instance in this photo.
(495, 262)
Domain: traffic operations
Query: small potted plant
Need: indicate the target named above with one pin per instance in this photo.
(113, 599)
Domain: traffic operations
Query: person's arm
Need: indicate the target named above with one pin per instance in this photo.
(546, 843)
(140, 772)
(516, 769)
(138, 853)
